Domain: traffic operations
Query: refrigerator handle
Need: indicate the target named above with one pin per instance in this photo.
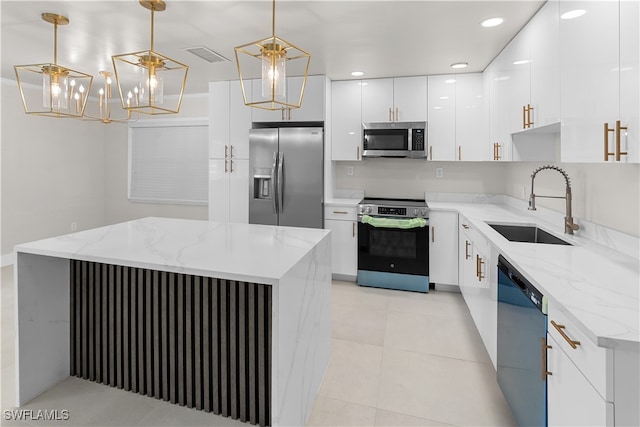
(274, 195)
(280, 182)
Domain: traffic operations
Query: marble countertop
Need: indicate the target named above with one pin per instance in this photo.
(596, 286)
(343, 201)
(245, 252)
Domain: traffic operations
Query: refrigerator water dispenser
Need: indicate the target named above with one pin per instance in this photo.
(262, 186)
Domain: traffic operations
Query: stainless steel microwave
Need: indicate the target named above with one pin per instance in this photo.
(395, 139)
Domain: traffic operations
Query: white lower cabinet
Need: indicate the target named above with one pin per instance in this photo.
(342, 221)
(571, 399)
(443, 247)
(229, 190)
(478, 283)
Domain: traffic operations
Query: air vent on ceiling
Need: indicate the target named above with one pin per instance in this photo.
(206, 54)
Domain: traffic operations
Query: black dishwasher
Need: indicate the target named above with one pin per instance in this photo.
(522, 346)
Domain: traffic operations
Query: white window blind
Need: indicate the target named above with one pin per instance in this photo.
(169, 163)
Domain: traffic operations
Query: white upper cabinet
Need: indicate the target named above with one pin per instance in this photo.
(630, 79)
(229, 121)
(313, 101)
(400, 99)
(312, 108)
(544, 32)
(598, 79)
(410, 99)
(455, 126)
(346, 120)
(471, 132)
(441, 126)
(377, 100)
(496, 78)
(517, 77)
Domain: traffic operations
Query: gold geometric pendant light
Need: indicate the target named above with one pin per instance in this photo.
(272, 58)
(149, 82)
(102, 110)
(63, 91)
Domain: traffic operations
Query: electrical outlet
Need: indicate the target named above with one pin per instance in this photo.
(74, 226)
(439, 172)
(349, 170)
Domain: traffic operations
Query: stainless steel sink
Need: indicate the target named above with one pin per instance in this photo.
(528, 234)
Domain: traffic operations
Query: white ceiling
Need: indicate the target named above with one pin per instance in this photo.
(381, 38)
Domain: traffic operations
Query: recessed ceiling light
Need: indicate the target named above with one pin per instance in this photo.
(460, 65)
(492, 22)
(521, 62)
(357, 73)
(437, 108)
(449, 81)
(572, 14)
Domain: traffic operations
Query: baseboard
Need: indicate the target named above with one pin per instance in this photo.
(8, 259)
(447, 288)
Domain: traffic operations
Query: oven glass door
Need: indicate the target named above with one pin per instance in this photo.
(393, 250)
(386, 139)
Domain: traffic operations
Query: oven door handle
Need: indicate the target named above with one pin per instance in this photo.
(400, 223)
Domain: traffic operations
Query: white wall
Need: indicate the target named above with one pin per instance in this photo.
(409, 178)
(606, 194)
(118, 208)
(52, 174)
(603, 193)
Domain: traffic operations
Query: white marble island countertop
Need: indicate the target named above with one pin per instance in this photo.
(245, 252)
(596, 286)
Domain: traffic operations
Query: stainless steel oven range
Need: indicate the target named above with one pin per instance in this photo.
(393, 246)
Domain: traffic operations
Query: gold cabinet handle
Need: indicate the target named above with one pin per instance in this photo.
(459, 152)
(397, 114)
(544, 348)
(231, 170)
(496, 151)
(433, 234)
(225, 151)
(467, 245)
(479, 264)
(282, 114)
(524, 117)
(231, 151)
(340, 212)
(289, 114)
(465, 226)
(431, 153)
(618, 134)
(560, 328)
(390, 115)
(607, 153)
(529, 110)
(357, 152)
(353, 229)
(225, 166)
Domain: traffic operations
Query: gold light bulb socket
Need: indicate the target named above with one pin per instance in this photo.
(55, 70)
(273, 49)
(151, 61)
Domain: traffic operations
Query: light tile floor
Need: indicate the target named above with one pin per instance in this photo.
(398, 359)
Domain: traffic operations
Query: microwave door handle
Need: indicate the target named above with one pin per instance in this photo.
(274, 178)
(280, 182)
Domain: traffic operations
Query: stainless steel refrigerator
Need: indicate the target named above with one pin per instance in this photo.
(286, 181)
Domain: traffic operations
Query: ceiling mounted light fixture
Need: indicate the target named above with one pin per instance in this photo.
(573, 14)
(492, 22)
(103, 113)
(460, 65)
(64, 91)
(149, 82)
(276, 58)
(357, 73)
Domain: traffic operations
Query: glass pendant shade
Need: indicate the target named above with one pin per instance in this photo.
(149, 82)
(263, 66)
(51, 89)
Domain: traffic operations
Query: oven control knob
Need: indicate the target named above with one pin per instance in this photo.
(360, 209)
(415, 212)
(424, 212)
(368, 209)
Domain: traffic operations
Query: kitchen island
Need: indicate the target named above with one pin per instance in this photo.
(228, 318)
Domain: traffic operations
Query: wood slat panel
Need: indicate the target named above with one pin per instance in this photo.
(200, 342)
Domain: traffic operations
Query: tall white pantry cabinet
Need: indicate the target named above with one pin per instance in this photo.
(229, 125)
